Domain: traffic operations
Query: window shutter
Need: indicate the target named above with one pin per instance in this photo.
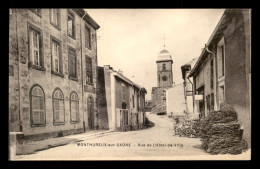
(77, 111)
(35, 103)
(36, 117)
(60, 60)
(41, 59)
(58, 19)
(55, 16)
(31, 46)
(73, 107)
(61, 112)
(72, 63)
(41, 110)
(41, 117)
(56, 110)
(52, 56)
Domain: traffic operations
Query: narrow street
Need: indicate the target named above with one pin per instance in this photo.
(126, 144)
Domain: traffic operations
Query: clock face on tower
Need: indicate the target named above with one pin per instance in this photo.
(164, 78)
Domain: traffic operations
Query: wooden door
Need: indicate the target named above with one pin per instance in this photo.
(91, 116)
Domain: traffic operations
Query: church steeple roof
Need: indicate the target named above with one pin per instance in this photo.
(164, 55)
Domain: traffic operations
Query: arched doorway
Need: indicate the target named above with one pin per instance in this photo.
(91, 116)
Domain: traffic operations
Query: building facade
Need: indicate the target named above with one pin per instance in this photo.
(164, 81)
(222, 74)
(188, 88)
(175, 101)
(121, 102)
(52, 72)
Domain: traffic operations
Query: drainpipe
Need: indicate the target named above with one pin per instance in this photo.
(82, 76)
(216, 76)
(192, 95)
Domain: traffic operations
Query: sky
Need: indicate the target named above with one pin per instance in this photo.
(131, 39)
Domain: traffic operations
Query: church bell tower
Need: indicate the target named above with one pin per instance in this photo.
(164, 69)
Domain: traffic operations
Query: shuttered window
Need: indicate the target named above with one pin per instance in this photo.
(89, 72)
(35, 47)
(37, 106)
(55, 17)
(74, 107)
(58, 107)
(71, 26)
(56, 56)
(123, 94)
(88, 37)
(72, 63)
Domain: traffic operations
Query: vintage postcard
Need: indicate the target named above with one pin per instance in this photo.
(129, 84)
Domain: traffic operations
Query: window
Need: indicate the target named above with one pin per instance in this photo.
(123, 94)
(56, 56)
(35, 47)
(71, 26)
(72, 63)
(164, 93)
(221, 58)
(37, 106)
(36, 11)
(58, 107)
(55, 17)
(164, 101)
(88, 38)
(89, 72)
(164, 66)
(211, 75)
(74, 107)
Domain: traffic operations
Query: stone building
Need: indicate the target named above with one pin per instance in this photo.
(164, 81)
(222, 74)
(121, 102)
(188, 89)
(52, 73)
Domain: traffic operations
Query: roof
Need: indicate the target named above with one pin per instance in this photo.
(81, 12)
(124, 78)
(216, 35)
(164, 51)
(164, 55)
(190, 65)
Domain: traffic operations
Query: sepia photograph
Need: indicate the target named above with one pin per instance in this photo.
(129, 84)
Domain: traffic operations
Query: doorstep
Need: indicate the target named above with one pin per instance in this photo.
(32, 147)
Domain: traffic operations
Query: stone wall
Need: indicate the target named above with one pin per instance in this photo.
(24, 76)
(236, 82)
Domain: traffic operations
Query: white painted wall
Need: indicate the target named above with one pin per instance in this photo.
(175, 101)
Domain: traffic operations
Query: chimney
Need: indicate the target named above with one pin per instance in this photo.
(120, 71)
